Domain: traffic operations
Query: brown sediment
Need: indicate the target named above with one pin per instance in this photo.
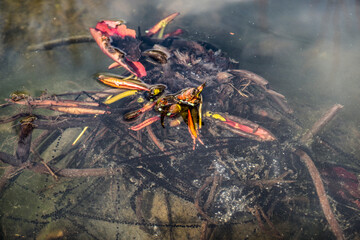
(9, 171)
(319, 125)
(320, 190)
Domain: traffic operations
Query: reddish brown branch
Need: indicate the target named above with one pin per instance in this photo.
(153, 137)
(319, 125)
(204, 230)
(320, 190)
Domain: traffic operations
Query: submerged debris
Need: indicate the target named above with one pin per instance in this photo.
(124, 168)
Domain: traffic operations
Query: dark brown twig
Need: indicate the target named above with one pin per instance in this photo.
(13, 118)
(197, 199)
(138, 210)
(10, 172)
(73, 173)
(60, 42)
(271, 225)
(9, 159)
(258, 212)
(212, 192)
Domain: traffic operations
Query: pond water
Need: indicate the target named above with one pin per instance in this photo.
(308, 51)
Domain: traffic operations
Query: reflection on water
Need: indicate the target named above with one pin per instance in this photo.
(307, 50)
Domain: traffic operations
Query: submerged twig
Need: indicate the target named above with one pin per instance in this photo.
(204, 230)
(73, 173)
(314, 173)
(319, 125)
(320, 190)
(60, 42)
(9, 159)
(275, 232)
(197, 200)
(50, 171)
(10, 172)
(155, 140)
(13, 118)
(213, 188)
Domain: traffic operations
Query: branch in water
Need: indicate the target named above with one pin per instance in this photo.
(60, 42)
(320, 190)
(67, 172)
(71, 123)
(73, 173)
(319, 125)
(9, 159)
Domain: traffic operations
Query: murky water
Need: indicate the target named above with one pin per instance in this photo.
(307, 50)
